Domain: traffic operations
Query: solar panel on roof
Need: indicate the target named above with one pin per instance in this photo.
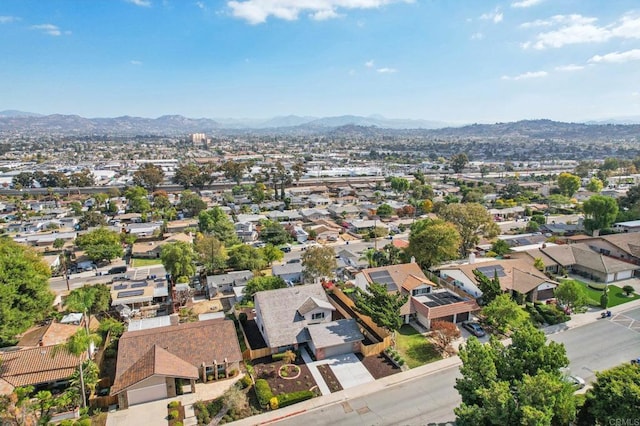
(490, 271)
(130, 293)
(139, 284)
(120, 287)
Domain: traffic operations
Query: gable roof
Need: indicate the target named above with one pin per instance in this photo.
(517, 274)
(156, 361)
(185, 341)
(37, 365)
(313, 303)
(627, 241)
(47, 335)
(599, 262)
(283, 323)
(407, 276)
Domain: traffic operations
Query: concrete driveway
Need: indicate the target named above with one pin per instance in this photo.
(348, 369)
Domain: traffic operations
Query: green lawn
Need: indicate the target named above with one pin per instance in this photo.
(616, 295)
(414, 347)
(138, 263)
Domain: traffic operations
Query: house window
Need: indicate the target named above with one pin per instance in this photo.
(419, 291)
(317, 316)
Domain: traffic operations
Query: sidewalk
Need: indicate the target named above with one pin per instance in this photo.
(577, 320)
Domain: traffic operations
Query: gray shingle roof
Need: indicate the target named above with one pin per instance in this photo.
(314, 303)
(334, 333)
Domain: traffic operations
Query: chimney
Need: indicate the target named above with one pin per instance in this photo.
(472, 258)
(174, 319)
(413, 259)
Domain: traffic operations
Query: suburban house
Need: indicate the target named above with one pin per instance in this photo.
(152, 363)
(624, 246)
(427, 301)
(581, 259)
(246, 231)
(153, 249)
(629, 226)
(225, 283)
(515, 276)
(289, 272)
(290, 317)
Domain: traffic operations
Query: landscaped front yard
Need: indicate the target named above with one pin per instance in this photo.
(140, 263)
(414, 348)
(616, 295)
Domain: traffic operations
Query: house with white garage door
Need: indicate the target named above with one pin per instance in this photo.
(153, 363)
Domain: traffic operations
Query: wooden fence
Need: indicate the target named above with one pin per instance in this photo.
(252, 353)
(103, 401)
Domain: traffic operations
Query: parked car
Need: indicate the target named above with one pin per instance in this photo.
(286, 249)
(474, 328)
(117, 270)
(121, 278)
(575, 381)
(636, 361)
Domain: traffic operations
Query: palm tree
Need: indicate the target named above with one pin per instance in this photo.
(368, 255)
(80, 342)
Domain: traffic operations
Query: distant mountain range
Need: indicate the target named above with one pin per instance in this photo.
(12, 121)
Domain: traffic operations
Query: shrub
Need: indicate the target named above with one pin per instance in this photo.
(604, 300)
(110, 353)
(174, 414)
(250, 370)
(293, 398)
(273, 403)
(246, 381)
(177, 424)
(628, 289)
(242, 317)
(263, 392)
(233, 373)
(83, 422)
(173, 404)
(277, 357)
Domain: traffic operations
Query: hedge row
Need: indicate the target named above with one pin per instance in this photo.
(263, 392)
(278, 356)
(293, 398)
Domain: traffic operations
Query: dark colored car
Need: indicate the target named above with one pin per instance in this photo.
(474, 328)
(117, 270)
(286, 249)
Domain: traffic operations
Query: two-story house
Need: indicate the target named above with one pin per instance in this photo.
(294, 316)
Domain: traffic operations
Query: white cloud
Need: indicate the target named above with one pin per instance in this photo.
(526, 75)
(141, 3)
(570, 67)
(477, 36)
(617, 57)
(201, 5)
(323, 15)
(496, 16)
(576, 29)
(50, 29)
(369, 64)
(386, 70)
(8, 19)
(352, 72)
(258, 11)
(526, 3)
(135, 62)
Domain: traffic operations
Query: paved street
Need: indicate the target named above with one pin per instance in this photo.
(431, 398)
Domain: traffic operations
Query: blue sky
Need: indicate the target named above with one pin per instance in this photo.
(450, 60)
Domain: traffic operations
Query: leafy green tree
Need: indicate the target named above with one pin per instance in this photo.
(432, 241)
(382, 306)
(458, 162)
(490, 287)
(24, 289)
(101, 244)
(505, 314)
(568, 184)
(572, 294)
(370, 256)
(138, 200)
(615, 395)
(178, 259)
(399, 185)
(212, 252)
(318, 262)
(58, 243)
(385, 210)
(271, 254)
(517, 384)
(243, 256)
(538, 263)
(190, 203)
(148, 176)
(192, 175)
(595, 185)
(610, 164)
(216, 222)
(91, 219)
(600, 212)
(89, 300)
(82, 341)
(257, 284)
(273, 232)
(82, 179)
(500, 247)
(234, 170)
(472, 220)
